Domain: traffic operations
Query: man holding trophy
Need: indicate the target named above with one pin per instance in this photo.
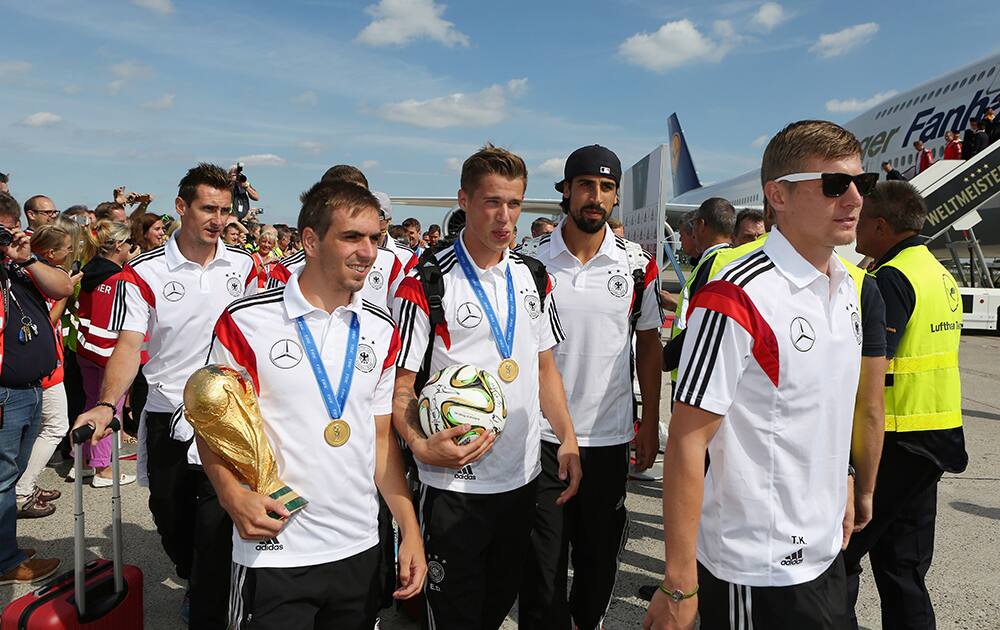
(321, 361)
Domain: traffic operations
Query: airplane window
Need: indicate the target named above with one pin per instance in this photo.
(981, 75)
(964, 81)
(954, 85)
(938, 93)
(992, 70)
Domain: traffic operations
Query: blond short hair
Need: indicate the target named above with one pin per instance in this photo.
(801, 141)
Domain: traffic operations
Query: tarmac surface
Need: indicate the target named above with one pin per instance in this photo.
(964, 580)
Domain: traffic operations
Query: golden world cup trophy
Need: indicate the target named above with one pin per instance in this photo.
(221, 406)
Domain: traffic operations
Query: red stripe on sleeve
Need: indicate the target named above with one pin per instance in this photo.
(251, 277)
(410, 264)
(229, 335)
(652, 272)
(394, 345)
(732, 301)
(411, 290)
(397, 268)
(128, 274)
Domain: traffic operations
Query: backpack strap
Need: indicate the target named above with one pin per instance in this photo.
(432, 279)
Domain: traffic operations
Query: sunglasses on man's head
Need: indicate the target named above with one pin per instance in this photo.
(836, 184)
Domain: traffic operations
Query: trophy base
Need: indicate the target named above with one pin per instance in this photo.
(289, 498)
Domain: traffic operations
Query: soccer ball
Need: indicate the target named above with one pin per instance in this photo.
(462, 394)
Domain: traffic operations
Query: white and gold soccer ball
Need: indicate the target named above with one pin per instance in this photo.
(462, 394)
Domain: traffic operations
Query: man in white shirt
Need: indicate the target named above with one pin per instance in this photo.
(478, 501)
(606, 290)
(318, 568)
(768, 377)
(175, 293)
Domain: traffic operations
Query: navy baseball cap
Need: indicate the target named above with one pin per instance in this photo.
(591, 160)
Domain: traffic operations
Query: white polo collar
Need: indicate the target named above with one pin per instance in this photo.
(175, 258)
(796, 268)
(557, 244)
(297, 305)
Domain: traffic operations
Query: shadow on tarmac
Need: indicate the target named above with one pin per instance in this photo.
(977, 510)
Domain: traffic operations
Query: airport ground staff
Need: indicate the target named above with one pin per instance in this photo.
(318, 568)
(923, 405)
(768, 377)
(606, 290)
(477, 502)
(712, 226)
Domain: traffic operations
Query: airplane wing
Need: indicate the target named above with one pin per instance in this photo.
(533, 206)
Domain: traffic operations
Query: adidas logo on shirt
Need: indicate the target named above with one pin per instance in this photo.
(792, 559)
(465, 473)
(271, 544)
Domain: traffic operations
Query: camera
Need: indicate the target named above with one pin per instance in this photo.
(240, 177)
(6, 237)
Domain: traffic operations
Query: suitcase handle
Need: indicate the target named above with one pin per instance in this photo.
(78, 437)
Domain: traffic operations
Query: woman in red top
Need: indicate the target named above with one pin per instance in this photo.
(110, 242)
(52, 245)
(952, 150)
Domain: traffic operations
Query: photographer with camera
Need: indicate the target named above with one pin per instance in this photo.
(243, 191)
(27, 355)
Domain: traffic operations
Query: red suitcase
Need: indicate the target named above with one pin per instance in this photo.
(101, 595)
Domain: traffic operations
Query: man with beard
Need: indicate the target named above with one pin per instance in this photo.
(608, 285)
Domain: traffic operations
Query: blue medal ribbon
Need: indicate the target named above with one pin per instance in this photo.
(504, 339)
(334, 404)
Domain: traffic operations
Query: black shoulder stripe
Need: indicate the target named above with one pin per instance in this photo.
(751, 261)
(745, 281)
(377, 311)
(150, 255)
(267, 297)
(238, 250)
(291, 259)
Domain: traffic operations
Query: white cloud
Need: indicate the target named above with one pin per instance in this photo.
(486, 107)
(399, 22)
(42, 119)
(13, 68)
(131, 70)
(116, 86)
(769, 16)
(453, 165)
(836, 44)
(163, 7)
(262, 159)
(72, 89)
(307, 98)
(310, 146)
(166, 101)
(676, 44)
(858, 104)
(760, 141)
(367, 165)
(552, 167)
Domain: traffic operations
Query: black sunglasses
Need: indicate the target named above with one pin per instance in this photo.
(836, 184)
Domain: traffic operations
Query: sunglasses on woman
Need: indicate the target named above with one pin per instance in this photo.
(836, 184)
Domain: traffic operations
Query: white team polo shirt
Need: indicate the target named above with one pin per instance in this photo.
(774, 346)
(407, 257)
(178, 301)
(595, 301)
(380, 284)
(258, 335)
(465, 337)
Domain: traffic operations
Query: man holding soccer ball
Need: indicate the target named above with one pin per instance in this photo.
(478, 500)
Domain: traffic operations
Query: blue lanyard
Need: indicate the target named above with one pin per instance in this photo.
(504, 340)
(334, 405)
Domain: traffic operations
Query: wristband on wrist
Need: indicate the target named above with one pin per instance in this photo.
(114, 410)
(678, 595)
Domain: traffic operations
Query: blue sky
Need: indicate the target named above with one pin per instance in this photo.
(103, 93)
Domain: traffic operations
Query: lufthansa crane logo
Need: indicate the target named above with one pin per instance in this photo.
(803, 335)
(173, 291)
(285, 354)
(949, 288)
(469, 315)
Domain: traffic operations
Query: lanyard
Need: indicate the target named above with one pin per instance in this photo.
(504, 340)
(334, 405)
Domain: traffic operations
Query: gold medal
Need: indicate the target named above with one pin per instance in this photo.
(508, 370)
(337, 433)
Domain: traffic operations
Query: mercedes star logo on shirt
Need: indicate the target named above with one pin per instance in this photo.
(803, 335)
(469, 315)
(285, 354)
(173, 291)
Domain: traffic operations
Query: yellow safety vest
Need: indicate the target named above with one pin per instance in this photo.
(925, 392)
